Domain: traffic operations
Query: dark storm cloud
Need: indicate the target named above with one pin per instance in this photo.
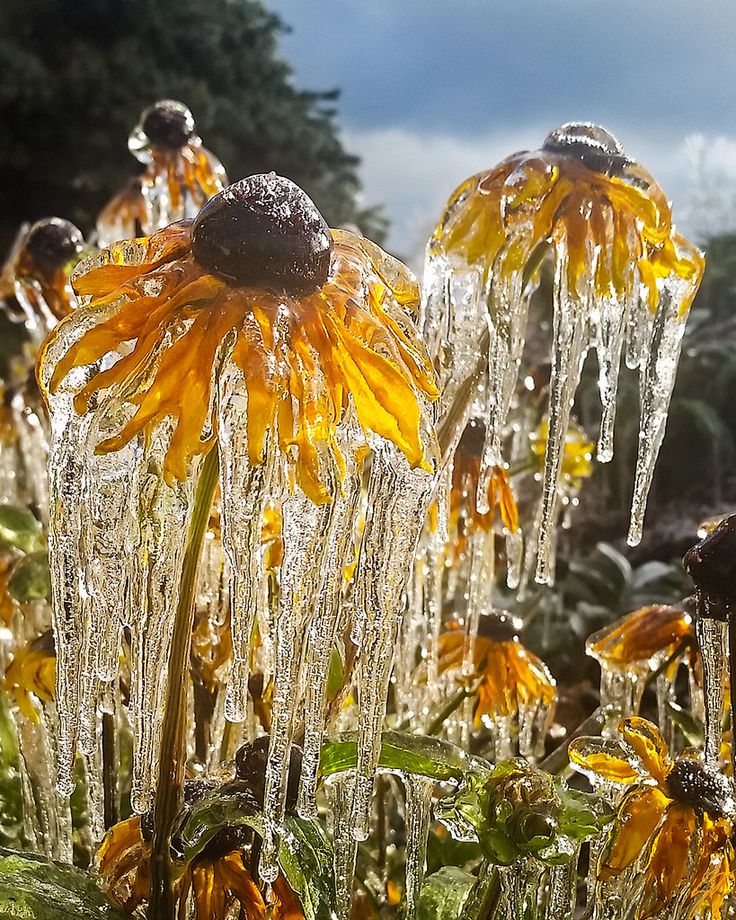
(468, 65)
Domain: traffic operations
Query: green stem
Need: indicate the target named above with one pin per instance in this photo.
(170, 783)
(447, 710)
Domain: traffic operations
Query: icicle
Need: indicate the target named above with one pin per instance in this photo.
(244, 489)
(324, 633)
(417, 816)
(562, 890)
(480, 590)
(345, 847)
(397, 501)
(305, 532)
(568, 350)
(712, 636)
(657, 380)
(620, 693)
(164, 515)
(521, 888)
(514, 559)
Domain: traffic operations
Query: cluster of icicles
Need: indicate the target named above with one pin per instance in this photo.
(118, 526)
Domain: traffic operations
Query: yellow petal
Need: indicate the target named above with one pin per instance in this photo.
(638, 817)
(646, 741)
(599, 758)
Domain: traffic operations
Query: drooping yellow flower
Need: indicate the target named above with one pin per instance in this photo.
(582, 187)
(218, 879)
(511, 676)
(657, 630)
(180, 176)
(39, 271)
(32, 673)
(675, 823)
(311, 318)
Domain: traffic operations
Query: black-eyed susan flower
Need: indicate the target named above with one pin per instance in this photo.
(217, 881)
(621, 270)
(674, 824)
(308, 316)
(180, 175)
(657, 631)
(40, 269)
(290, 347)
(512, 678)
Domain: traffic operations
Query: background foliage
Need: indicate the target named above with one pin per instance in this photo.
(77, 73)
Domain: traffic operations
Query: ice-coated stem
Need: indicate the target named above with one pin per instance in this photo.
(173, 739)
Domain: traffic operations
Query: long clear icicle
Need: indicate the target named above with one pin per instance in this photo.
(417, 815)
(324, 632)
(568, 351)
(244, 489)
(712, 636)
(397, 502)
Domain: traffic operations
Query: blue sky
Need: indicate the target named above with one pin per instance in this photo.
(434, 91)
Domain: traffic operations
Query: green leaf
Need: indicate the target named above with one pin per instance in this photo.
(444, 894)
(691, 728)
(33, 888)
(31, 580)
(19, 529)
(405, 753)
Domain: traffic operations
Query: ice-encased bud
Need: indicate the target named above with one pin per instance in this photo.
(595, 147)
(264, 232)
(168, 125)
(695, 784)
(498, 627)
(711, 563)
(52, 243)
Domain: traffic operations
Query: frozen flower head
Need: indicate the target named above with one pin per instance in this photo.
(40, 267)
(311, 319)
(289, 347)
(624, 282)
(180, 175)
(674, 824)
(516, 692)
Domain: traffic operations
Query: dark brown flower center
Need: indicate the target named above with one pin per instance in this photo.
(711, 564)
(264, 232)
(52, 243)
(597, 148)
(696, 785)
(498, 627)
(168, 125)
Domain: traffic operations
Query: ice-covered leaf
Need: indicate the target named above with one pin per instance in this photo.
(405, 753)
(20, 529)
(33, 888)
(30, 580)
(444, 894)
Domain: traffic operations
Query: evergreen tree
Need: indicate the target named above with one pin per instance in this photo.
(77, 73)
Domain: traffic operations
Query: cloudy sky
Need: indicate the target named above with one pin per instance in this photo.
(435, 90)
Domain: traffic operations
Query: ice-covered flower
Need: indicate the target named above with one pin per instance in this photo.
(657, 631)
(290, 348)
(180, 175)
(217, 880)
(674, 824)
(39, 271)
(511, 677)
(257, 281)
(31, 674)
(624, 282)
